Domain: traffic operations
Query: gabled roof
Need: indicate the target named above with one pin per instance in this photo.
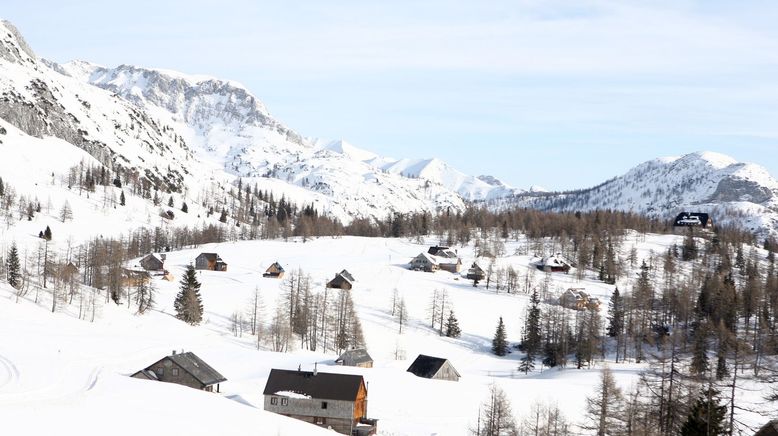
(555, 260)
(147, 373)
(322, 385)
(476, 268)
(210, 256)
(197, 368)
(277, 266)
(427, 366)
(347, 275)
(428, 257)
(356, 356)
(769, 429)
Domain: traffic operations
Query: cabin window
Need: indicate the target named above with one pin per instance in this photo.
(274, 401)
(175, 372)
(323, 404)
(160, 372)
(320, 421)
(284, 401)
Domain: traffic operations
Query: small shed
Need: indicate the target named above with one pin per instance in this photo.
(153, 262)
(476, 272)
(210, 262)
(274, 271)
(184, 369)
(436, 368)
(69, 271)
(343, 280)
(359, 358)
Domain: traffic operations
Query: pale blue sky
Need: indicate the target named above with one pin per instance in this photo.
(562, 94)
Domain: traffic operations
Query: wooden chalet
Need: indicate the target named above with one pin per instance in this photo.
(184, 369)
(274, 271)
(476, 273)
(359, 358)
(445, 259)
(435, 368)
(693, 219)
(578, 299)
(769, 429)
(153, 262)
(210, 262)
(553, 263)
(336, 401)
(343, 280)
(424, 262)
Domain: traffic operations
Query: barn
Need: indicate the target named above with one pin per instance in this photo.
(210, 262)
(274, 271)
(343, 280)
(359, 358)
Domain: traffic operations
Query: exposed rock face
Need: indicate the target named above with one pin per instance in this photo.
(734, 189)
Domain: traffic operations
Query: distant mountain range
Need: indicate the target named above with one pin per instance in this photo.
(178, 131)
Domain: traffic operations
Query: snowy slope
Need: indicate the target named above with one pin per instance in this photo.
(42, 102)
(738, 193)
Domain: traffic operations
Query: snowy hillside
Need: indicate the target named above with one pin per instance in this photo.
(42, 102)
(738, 193)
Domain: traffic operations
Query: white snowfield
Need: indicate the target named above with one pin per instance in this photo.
(61, 374)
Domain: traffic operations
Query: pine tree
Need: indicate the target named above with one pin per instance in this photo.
(615, 314)
(170, 201)
(699, 364)
(527, 362)
(188, 303)
(47, 234)
(184, 208)
(2, 187)
(531, 340)
(223, 217)
(707, 417)
(14, 273)
(452, 326)
(500, 342)
(122, 199)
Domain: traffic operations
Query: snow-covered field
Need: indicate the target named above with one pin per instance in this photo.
(58, 372)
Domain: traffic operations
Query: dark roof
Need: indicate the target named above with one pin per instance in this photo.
(356, 356)
(435, 248)
(210, 256)
(197, 368)
(347, 275)
(327, 386)
(426, 366)
(147, 373)
(769, 429)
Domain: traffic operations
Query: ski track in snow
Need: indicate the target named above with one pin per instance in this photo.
(11, 372)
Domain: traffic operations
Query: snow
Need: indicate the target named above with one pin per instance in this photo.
(92, 360)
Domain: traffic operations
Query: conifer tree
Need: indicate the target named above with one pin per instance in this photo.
(188, 303)
(500, 342)
(531, 340)
(699, 364)
(122, 199)
(14, 273)
(170, 201)
(707, 417)
(2, 188)
(615, 314)
(184, 208)
(452, 326)
(47, 234)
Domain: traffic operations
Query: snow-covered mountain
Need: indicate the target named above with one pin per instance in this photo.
(738, 193)
(43, 103)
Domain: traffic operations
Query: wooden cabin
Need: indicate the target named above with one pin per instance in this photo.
(68, 272)
(210, 262)
(153, 262)
(476, 273)
(343, 280)
(184, 369)
(435, 368)
(578, 299)
(359, 358)
(424, 262)
(336, 401)
(274, 271)
(554, 263)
